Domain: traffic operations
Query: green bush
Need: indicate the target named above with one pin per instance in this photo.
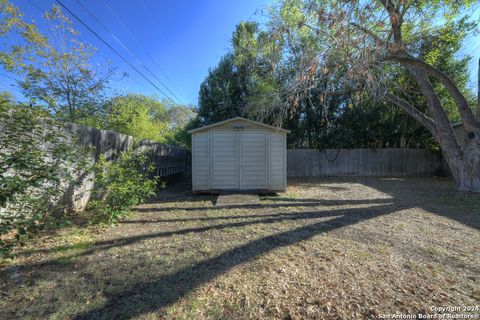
(120, 185)
(37, 164)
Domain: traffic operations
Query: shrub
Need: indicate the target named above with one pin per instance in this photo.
(37, 164)
(120, 185)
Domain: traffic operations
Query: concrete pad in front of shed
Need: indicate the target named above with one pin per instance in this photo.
(237, 199)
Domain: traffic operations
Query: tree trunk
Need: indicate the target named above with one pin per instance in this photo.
(463, 157)
(466, 170)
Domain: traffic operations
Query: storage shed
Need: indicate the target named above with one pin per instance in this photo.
(239, 154)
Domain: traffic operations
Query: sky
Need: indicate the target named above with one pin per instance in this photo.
(177, 41)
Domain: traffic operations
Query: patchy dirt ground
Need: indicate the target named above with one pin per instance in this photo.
(335, 248)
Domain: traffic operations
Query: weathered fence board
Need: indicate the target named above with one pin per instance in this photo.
(362, 162)
(167, 160)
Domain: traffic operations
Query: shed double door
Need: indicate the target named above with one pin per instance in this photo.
(239, 160)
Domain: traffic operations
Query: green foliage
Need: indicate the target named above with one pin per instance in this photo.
(119, 185)
(62, 77)
(245, 82)
(376, 124)
(222, 93)
(146, 118)
(179, 135)
(439, 48)
(137, 115)
(278, 74)
(55, 71)
(181, 119)
(11, 21)
(37, 165)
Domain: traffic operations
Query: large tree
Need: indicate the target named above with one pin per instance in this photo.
(255, 80)
(245, 80)
(56, 72)
(221, 94)
(359, 47)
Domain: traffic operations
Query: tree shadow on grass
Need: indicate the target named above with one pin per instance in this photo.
(156, 294)
(256, 219)
(290, 203)
(435, 195)
(248, 206)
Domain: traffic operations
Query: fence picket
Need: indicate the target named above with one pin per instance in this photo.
(363, 162)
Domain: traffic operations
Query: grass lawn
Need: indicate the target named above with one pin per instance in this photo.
(339, 248)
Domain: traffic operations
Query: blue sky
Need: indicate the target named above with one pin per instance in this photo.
(183, 37)
(177, 40)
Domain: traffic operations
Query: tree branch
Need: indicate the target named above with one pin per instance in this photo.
(337, 93)
(426, 121)
(462, 104)
(445, 133)
(396, 21)
(369, 32)
(478, 92)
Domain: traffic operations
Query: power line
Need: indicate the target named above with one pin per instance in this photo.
(35, 5)
(118, 40)
(117, 53)
(158, 26)
(10, 77)
(126, 48)
(16, 88)
(47, 25)
(185, 114)
(132, 54)
(42, 11)
(114, 50)
(144, 49)
(474, 49)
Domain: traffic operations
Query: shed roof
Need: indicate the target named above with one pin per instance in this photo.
(239, 119)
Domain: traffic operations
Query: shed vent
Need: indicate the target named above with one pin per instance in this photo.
(238, 126)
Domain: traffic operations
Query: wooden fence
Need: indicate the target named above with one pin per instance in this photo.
(167, 160)
(363, 162)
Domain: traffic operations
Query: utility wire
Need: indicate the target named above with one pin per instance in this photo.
(35, 5)
(158, 26)
(125, 47)
(47, 25)
(114, 50)
(187, 116)
(474, 49)
(133, 55)
(121, 43)
(144, 50)
(184, 112)
(42, 11)
(7, 76)
(12, 87)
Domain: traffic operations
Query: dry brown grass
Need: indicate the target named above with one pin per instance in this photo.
(347, 248)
